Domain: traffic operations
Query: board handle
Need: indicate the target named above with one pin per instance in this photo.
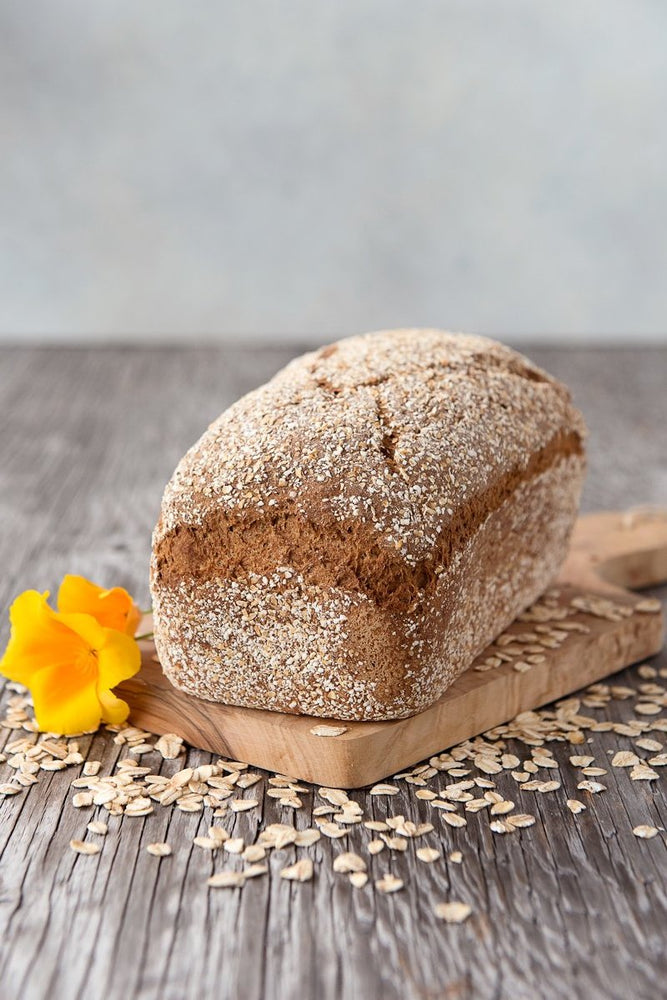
(614, 551)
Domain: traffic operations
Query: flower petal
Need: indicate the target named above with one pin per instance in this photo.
(91, 634)
(112, 608)
(118, 658)
(114, 710)
(62, 703)
(38, 639)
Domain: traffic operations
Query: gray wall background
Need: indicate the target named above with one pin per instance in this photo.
(202, 169)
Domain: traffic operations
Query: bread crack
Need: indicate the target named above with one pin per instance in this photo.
(389, 434)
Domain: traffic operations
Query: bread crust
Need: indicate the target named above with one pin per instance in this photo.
(344, 540)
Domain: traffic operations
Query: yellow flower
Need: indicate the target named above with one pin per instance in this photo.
(70, 659)
(112, 608)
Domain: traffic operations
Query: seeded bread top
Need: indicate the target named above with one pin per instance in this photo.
(395, 430)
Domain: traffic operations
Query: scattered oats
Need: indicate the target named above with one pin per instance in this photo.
(575, 806)
(252, 871)
(332, 830)
(375, 846)
(426, 794)
(428, 854)
(395, 843)
(487, 765)
(454, 819)
(501, 826)
(377, 825)
(336, 796)
(509, 761)
(593, 772)
(453, 913)
(97, 826)
(300, 871)
(484, 783)
(170, 746)
(389, 883)
(139, 807)
(401, 826)
(649, 605)
(545, 761)
(521, 820)
(84, 847)
(306, 838)
(287, 835)
(251, 778)
(189, 805)
(207, 843)
(501, 808)
(350, 815)
(254, 852)
(159, 849)
(423, 828)
(142, 748)
(645, 832)
(648, 744)
(456, 857)
(631, 729)
(358, 879)
(181, 777)
(621, 693)
(624, 758)
(237, 765)
(242, 805)
(91, 768)
(384, 790)
(349, 862)
(646, 671)
(82, 799)
(226, 880)
(26, 779)
(548, 786)
(235, 845)
(328, 730)
(648, 708)
(642, 772)
(475, 805)
(8, 789)
(324, 811)
(591, 786)
(659, 761)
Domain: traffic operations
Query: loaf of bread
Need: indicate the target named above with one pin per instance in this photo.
(344, 540)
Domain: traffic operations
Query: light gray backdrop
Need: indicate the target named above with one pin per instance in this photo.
(223, 168)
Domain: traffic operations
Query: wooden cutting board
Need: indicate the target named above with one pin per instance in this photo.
(609, 552)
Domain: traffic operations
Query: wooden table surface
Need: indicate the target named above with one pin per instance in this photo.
(572, 907)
